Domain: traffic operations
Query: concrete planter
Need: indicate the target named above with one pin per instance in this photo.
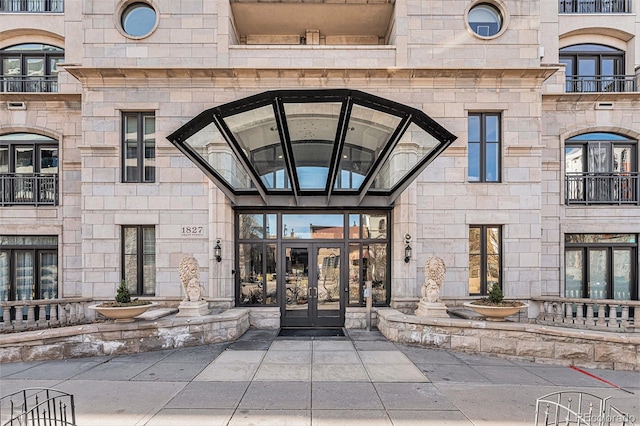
(495, 313)
(122, 313)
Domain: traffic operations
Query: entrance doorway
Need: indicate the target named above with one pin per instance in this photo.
(312, 285)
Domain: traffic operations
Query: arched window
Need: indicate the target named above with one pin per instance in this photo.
(28, 169)
(601, 168)
(595, 68)
(30, 68)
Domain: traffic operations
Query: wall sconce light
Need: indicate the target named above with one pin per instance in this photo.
(217, 251)
(407, 248)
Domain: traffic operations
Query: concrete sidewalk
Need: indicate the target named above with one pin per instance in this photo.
(261, 379)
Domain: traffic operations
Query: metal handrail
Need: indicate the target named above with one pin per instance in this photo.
(594, 6)
(600, 83)
(602, 188)
(28, 189)
(38, 406)
(29, 84)
(32, 6)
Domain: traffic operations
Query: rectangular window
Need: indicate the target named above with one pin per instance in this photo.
(484, 147)
(138, 147)
(139, 259)
(28, 268)
(485, 258)
(601, 266)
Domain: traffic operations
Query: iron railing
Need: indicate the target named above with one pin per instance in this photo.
(597, 314)
(28, 189)
(32, 6)
(602, 188)
(578, 409)
(600, 83)
(24, 83)
(38, 407)
(42, 313)
(594, 6)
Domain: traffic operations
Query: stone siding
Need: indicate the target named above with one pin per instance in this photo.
(527, 342)
(118, 339)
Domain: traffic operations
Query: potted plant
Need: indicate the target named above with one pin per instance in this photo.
(123, 309)
(494, 307)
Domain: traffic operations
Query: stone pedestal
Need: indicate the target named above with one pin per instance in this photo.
(431, 310)
(193, 309)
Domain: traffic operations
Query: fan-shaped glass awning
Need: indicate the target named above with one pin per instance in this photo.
(312, 148)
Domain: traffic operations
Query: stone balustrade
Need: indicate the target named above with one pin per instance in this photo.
(43, 313)
(604, 314)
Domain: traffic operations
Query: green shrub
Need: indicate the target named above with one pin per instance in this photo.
(123, 295)
(495, 294)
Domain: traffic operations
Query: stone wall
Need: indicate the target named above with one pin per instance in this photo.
(118, 339)
(527, 342)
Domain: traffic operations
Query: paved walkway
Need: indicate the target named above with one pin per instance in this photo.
(262, 379)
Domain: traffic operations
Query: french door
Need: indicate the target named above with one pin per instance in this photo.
(312, 287)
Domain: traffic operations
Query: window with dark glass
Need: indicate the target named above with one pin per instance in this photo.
(138, 147)
(485, 258)
(30, 68)
(601, 168)
(139, 259)
(138, 19)
(28, 268)
(28, 169)
(601, 266)
(595, 68)
(366, 239)
(484, 153)
(485, 20)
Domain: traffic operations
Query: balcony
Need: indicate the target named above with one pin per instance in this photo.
(23, 83)
(28, 189)
(600, 83)
(31, 6)
(594, 6)
(602, 188)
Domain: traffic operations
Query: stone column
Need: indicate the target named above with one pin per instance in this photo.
(403, 275)
(221, 287)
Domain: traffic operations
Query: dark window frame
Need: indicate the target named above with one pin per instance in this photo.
(598, 82)
(36, 249)
(24, 82)
(139, 290)
(345, 243)
(140, 176)
(610, 247)
(484, 290)
(482, 147)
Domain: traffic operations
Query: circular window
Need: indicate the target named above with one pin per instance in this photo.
(138, 19)
(485, 20)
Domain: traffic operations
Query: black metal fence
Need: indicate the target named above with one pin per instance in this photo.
(32, 6)
(38, 406)
(602, 188)
(24, 83)
(594, 6)
(29, 189)
(601, 83)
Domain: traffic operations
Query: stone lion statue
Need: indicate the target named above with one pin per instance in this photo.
(190, 277)
(435, 270)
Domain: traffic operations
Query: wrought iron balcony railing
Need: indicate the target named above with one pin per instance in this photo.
(32, 6)
(602, 188)
(28, 189)
(594, 6)
(23, 83)
(601, 83)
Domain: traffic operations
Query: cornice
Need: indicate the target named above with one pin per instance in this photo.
(156, 77)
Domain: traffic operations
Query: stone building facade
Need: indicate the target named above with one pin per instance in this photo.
(524, 87)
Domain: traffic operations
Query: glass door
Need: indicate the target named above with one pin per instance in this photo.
(312, 286)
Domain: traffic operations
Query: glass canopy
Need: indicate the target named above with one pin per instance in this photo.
(313, 148)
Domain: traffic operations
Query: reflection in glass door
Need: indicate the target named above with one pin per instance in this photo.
(312, 286)
(597, 274)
